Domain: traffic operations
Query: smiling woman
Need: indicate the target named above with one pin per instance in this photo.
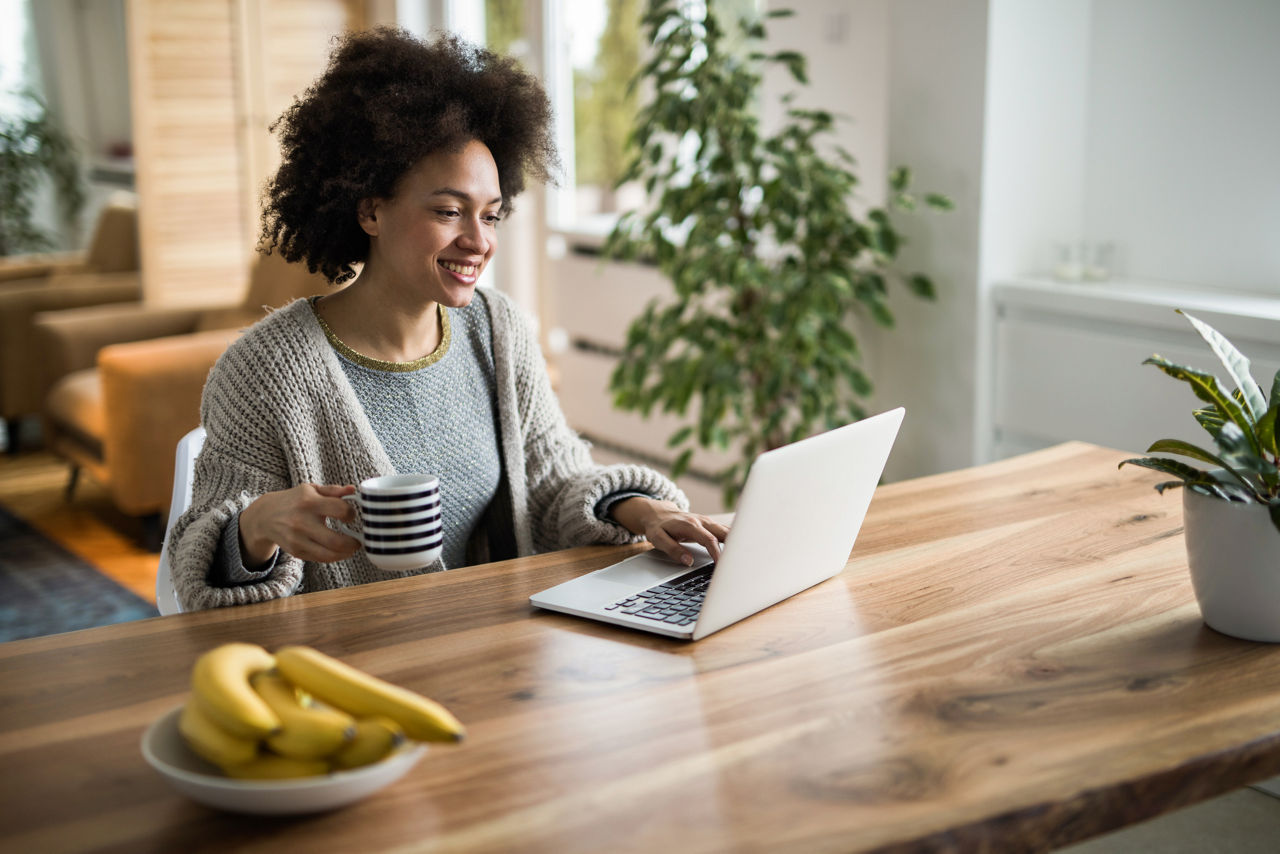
(400, 160)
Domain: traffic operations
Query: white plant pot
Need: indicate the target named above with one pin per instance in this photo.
(1234, 553)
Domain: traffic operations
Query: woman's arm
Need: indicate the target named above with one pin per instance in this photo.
(242, 479)
(224, 487)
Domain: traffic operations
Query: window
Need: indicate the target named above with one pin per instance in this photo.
(596, 47)
(18, 71)
(588, 51)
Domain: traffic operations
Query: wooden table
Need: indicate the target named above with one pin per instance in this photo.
(1013, 660)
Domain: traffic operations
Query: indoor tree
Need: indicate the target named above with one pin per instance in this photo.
(757, 232)
(34, 149)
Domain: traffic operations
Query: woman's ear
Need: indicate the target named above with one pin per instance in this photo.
(367, 216)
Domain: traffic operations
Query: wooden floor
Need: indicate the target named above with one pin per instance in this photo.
(32, 486)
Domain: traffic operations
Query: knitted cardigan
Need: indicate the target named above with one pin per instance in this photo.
(278, 411)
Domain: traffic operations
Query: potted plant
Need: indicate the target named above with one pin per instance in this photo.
(1231, 511)
(769, 257)
(34, 149)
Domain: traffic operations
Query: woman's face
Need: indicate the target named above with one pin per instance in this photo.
(437, 233)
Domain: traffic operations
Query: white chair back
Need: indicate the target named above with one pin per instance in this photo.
(184, 467)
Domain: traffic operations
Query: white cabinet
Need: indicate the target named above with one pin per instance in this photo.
(1067, 360)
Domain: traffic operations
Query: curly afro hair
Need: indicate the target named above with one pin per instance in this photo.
(386, 101)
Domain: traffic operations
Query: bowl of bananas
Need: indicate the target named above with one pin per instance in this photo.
(290, 733)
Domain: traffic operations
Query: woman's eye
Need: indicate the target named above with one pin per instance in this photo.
(447, 212)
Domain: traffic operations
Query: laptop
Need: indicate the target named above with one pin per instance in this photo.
(796, 522)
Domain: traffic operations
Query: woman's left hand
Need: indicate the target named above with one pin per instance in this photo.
(667, 526)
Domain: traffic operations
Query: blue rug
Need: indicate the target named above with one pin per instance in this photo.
(45, 589)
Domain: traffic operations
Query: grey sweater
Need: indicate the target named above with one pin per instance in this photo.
(278, 410)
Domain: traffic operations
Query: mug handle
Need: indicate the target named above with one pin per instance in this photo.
(343, 526)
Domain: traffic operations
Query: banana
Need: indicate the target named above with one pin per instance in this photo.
(375, 738)
(220, 682)
(269, 766)
(306, 732)
(211, 742)
(364, 695)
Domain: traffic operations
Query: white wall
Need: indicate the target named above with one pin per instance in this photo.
(1183, 135)
(847, 45)
(1036, 121)
(909, 75)
(937, 74)
(1037, 105)
(1148, 123)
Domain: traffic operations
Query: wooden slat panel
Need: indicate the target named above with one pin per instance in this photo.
(188, 144)
(209, 77)
(293, 42)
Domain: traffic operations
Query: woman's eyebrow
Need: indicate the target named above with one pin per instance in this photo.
(459, 194)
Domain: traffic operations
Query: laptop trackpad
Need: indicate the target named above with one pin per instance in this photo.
(652, 567)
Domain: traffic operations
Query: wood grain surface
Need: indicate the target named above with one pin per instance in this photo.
(1012, 661)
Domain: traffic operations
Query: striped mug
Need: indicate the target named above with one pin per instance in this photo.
(400, 524)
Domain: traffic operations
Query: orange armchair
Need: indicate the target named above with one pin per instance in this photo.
(113, 248)
(123, 403)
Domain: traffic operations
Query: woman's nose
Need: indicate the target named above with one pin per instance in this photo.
(473, 237)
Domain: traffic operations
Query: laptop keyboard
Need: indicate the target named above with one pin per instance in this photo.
(677, 601)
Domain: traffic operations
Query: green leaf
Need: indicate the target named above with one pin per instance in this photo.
(922, 286)
(939, 202)
(1209, 388)
(1275, 389)
(680, 436)
(900, 179)
(1234, 361)
(881, 313)
(795, 63)
(1211, 419)
(1267, 431)
(1186, 473)
(681, 465)
(1186, 449)
(1189, 475)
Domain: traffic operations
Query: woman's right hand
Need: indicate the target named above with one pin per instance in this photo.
(293, 520)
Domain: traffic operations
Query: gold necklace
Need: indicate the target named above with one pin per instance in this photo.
(378, 364)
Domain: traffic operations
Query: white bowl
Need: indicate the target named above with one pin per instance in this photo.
(165, 750)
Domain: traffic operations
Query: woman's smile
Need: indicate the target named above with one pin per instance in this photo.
(465, 273)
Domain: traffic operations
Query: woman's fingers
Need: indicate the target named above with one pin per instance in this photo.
(665, 543)
(330, 502)
(295, 521)
(704, 537)
(339, 547)
(721, 531)
(666, 526)
(671, 532)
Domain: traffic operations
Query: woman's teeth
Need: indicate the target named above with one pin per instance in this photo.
(458, 268)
